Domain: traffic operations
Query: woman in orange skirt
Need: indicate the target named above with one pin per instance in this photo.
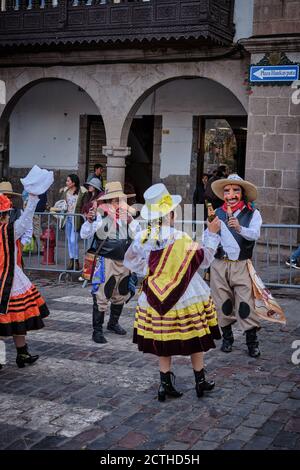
(22, 308)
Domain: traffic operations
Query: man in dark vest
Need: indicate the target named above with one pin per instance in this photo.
(231, 285)
(113, 228)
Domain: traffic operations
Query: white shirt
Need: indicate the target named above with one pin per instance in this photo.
(137, 256)
(229, 243)
(89, 229)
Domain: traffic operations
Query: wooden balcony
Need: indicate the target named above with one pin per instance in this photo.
(113, 23)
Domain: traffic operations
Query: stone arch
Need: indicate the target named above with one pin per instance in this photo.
(233, 84)
(25, 82)
(17, 87)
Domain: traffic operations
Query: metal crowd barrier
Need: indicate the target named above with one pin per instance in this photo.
(50, 226)
(276, 244)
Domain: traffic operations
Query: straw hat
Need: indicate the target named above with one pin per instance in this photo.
(114, 190)
(249, 188)
(5, 204)
(158, 202)
(6, 188)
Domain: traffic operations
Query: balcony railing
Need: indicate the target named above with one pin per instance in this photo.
(55, 22)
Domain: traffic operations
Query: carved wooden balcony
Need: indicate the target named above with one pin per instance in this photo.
(113, 23)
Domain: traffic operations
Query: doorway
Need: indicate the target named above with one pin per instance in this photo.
(138, 175)
(221, 141)
(96, 139)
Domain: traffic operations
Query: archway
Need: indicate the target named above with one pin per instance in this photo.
(178, 108)
(54, 123)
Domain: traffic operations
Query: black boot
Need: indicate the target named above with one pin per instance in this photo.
(202, 385)
(166, 386)
(98, 319)
(228, 339)
(24, 357)
(113, 322)
(252, 342)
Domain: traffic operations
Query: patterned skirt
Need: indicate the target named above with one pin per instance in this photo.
(189, 327)
(25, 312)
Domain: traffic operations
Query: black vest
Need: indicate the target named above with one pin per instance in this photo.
(246, 246)
(113, 248)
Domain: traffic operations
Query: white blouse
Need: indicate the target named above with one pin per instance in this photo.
(137, 256)
(21, 283)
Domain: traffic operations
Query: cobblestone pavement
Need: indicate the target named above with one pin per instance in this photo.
(80, 395)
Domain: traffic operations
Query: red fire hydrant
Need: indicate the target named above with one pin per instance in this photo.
(48, 240)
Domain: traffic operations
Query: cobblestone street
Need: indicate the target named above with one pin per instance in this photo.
(80, 395)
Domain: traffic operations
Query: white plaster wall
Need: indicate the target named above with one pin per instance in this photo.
(198, 96)
(177, 102)
(44, 126)
(176, 145)
(243, 19)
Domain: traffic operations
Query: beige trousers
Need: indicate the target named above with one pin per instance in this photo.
(231, 290)
(114, 289)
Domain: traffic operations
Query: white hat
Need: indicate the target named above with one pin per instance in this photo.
(158, 202)
(249, 188)
(37, 181)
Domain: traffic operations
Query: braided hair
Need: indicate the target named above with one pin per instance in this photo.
(156, 225)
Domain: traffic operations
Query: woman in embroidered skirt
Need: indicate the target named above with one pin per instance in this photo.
(175, 314)
(22, 308)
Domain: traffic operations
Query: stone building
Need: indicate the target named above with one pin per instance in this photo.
(157, 90)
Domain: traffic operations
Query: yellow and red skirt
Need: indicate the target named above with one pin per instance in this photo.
(183, 330)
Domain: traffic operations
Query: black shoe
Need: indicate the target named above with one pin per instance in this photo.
(98, 319)
(252, 342)
(253, 351)
(291, 262)
(202, 385)
(70, 266)
(76, 265)
(23, 357)
(166, 387)
(228, 339)
(113, 322)
(1, 366)
(116, 329)
(98, 337)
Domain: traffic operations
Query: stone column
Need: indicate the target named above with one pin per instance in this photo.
(116, 162)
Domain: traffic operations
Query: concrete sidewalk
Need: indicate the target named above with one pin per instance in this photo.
(80, 395)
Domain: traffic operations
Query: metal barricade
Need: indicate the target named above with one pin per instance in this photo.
(275, 246)
(50, 252)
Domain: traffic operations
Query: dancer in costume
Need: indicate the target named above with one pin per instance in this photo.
(231, 284)
(22, 308)
(112, 230)
(175, 314)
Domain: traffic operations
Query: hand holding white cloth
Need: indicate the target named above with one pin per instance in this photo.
(37, 181)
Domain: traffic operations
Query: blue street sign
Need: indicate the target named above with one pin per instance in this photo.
(274, 73)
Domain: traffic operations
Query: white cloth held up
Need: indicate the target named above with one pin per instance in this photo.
(37, 181)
